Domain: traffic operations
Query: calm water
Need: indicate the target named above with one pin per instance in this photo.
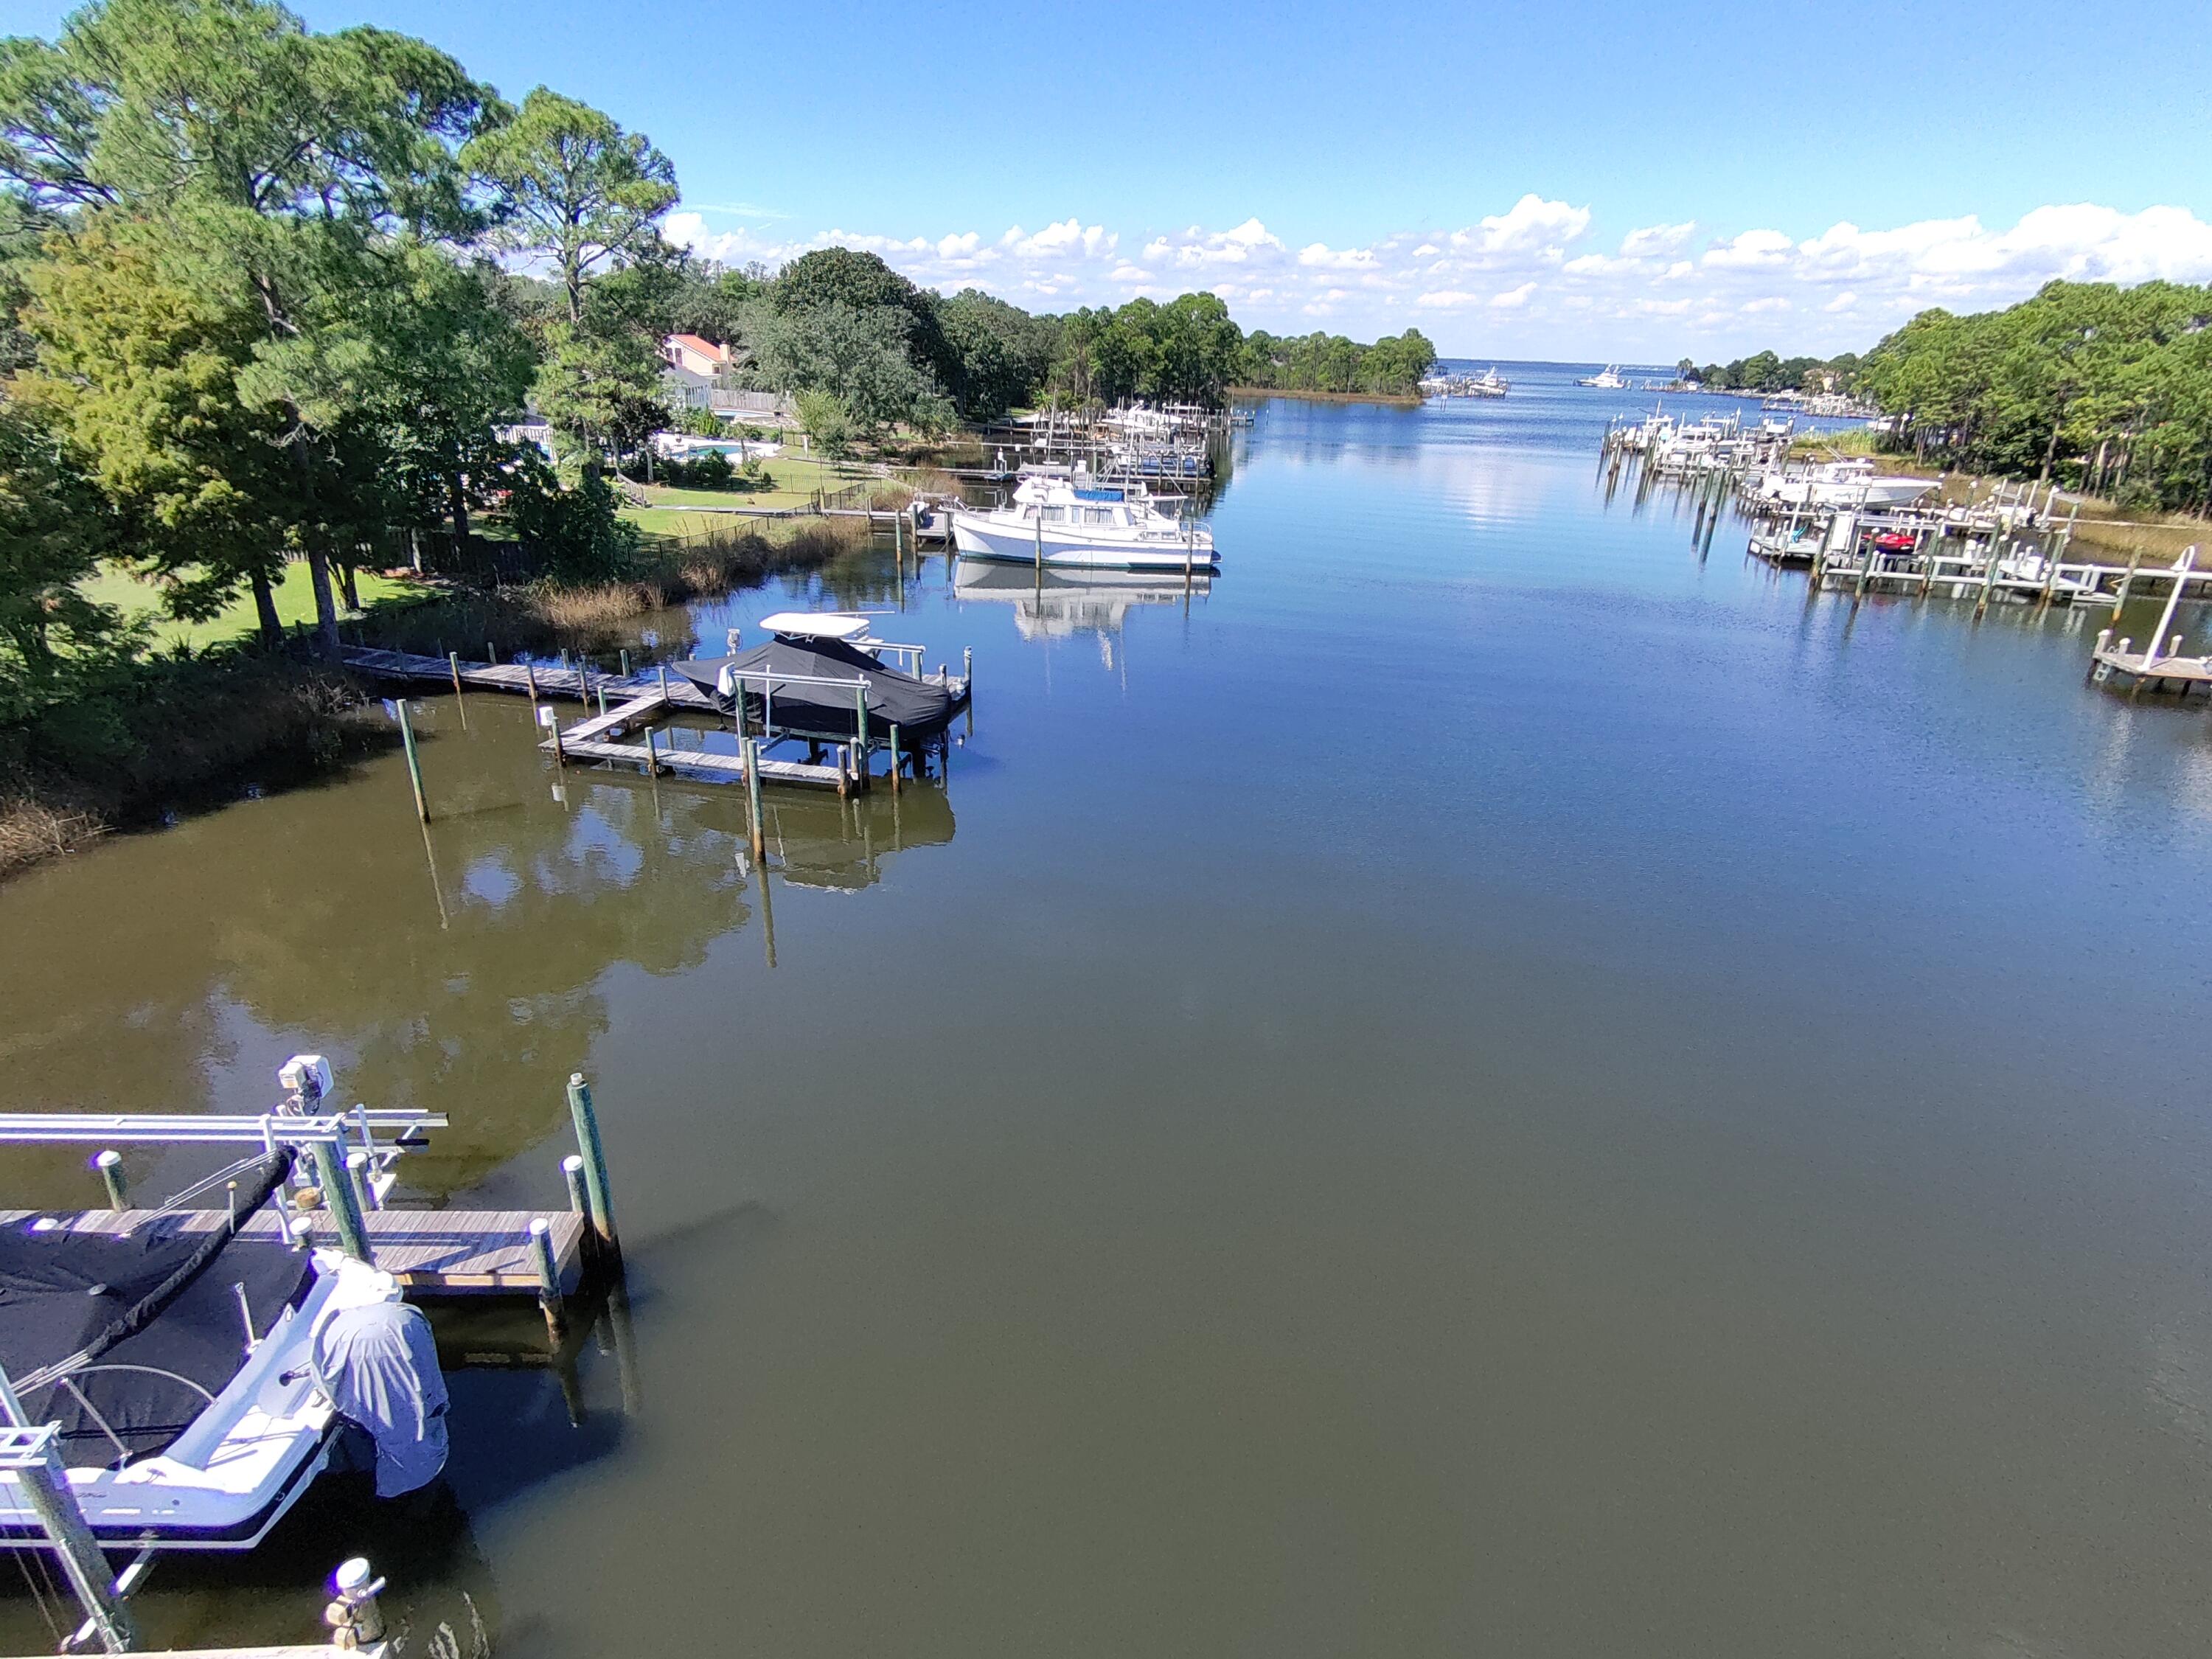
(1493, 1083)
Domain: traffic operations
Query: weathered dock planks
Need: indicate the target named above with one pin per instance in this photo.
(434, 1252)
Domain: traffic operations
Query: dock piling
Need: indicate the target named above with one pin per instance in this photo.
(550, 1301)
(35, 1461)
(413, 762)
(895, 757)
(599, 1206)
(110, 1165)
(753, 800)
(338, 1199)
(364, 1188)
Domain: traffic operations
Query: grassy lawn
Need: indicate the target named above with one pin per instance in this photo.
(796, 478)
(295, 602)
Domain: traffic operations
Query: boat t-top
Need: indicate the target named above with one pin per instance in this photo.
(1608, 378)
(1064, 524)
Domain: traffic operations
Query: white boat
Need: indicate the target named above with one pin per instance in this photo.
(244, 1457)
(1842, 484)
(1488, 383)
(1061, 524)
(1608, 378)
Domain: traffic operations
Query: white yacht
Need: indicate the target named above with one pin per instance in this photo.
(1062, 524)
(1608, 378)
(1842, 484)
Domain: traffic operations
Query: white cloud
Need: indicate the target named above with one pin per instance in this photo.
(1653, 239)
(1515, 280)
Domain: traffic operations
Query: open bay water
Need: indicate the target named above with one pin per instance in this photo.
(1488, 1081)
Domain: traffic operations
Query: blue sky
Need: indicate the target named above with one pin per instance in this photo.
(1301, 156)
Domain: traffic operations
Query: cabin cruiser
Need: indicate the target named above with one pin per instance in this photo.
(1608, 378)
(1841, 483)
(197, 1376)
(1060, 523)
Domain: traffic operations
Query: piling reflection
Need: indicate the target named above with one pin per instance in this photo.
(457, 968)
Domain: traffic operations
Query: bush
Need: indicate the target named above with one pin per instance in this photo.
(826, 421)
(576, 529)
(710, 470)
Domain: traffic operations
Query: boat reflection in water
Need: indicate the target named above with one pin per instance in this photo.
(1057, 605)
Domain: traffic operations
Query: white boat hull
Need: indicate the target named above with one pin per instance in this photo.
(980, 536)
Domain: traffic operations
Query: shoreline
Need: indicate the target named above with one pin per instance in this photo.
(206, 728)
(1395, 400)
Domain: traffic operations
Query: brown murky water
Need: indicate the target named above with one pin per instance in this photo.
(1490, 1086)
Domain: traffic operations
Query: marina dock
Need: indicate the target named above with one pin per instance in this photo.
(429, 1252)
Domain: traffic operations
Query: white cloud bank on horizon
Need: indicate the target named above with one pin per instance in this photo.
(1526, 282)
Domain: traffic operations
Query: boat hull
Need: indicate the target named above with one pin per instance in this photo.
(976, 536)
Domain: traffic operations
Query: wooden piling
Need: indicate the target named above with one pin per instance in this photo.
(46, 1488)
(860, 737)
(339, 1200)
(529, 677)
(549, 1300)
(453, 662)
(414, 763)
(364, 1189)
(572, 1177)
(2120, 595)
(753, 798)
(600, 1204)
(110, 1165)
(895, 757)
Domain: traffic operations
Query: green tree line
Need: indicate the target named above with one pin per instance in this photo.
(1765, 373)
(2104, 388)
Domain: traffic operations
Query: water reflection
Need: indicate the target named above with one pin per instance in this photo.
(1057, 605)
(457, 968)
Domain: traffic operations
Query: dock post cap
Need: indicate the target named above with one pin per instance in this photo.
(574, 1161)
(107, 1160)
(537, 1224)
(352, 1577)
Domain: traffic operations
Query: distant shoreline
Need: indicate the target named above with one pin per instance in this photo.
(1400, 398)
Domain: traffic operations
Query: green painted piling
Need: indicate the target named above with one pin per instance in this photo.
(625, 664)
(364, 1195)
(860, 737)
(600, 1210)
(110, 1165)
(895, 757)
(549, 1275)
(753, 798)
(572, 1177)
(453, 662)
(339, 1200)
(414, 764)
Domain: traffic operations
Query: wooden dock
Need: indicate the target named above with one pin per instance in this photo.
(543, 682)
(2147, 671)
(429, 1252)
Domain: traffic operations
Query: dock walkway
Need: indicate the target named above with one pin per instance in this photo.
(434, 1252)
(543, 680)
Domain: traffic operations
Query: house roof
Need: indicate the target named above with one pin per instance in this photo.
(704, 347)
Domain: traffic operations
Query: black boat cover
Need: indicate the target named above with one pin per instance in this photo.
(918, 708)
(156, 1297)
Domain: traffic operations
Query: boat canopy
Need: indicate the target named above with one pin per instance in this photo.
(815, 625)
(101, 1332)
(1099, 495)
(812, 684)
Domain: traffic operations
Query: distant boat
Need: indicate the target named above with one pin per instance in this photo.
(1488, 383)
(1608, 378)
(1057, 523)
